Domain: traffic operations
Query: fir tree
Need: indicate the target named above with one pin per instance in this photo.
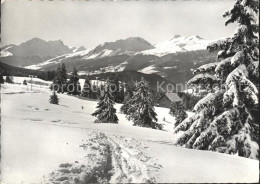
(9, 79)
(1, 79)
(96, 93)
(106, 113)
(63, 77)
(54, 98)
(122, 93)
(56, 80)
(60, 79)
(127, 96)
(177, 110)
(24, 82)
(226, 119)
(87, 88)
(115, 88)
(141, 109)
(73, 84)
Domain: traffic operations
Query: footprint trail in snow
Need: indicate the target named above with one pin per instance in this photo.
(108, 159)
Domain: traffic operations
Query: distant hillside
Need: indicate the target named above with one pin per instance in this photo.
(22, 72)
(127, 76)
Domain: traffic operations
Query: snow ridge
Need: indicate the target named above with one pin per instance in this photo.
(178, 44)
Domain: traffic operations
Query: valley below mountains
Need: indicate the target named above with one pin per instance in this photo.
(174, 59)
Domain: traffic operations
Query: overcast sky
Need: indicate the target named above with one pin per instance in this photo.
(90, 23)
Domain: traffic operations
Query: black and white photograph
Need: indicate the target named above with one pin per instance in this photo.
(129, 91)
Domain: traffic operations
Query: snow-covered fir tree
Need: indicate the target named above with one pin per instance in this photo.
(127, 96)
(226, 120)
(87, 88)
(106, 113)
(178, 111)
(54, 98)
(204, 77)
(141, 109)
(73, 84)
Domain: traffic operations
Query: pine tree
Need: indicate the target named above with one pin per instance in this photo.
(96, 93)
(87, 88)
(63, 77)
(54, 98)
(177, 110)
(73, 84)
(122, 93)
(1, 79)
(60, 79)
(9, 79)
(141, 109)
(226, 120)
(56, 80)
(106, 113)
(127, 96)
(115, 88)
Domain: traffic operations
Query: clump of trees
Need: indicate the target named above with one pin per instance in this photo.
(138, 103)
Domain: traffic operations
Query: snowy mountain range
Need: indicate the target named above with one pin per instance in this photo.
(173, 59)
(178, 44)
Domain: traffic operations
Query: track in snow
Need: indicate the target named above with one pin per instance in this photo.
(109, 159)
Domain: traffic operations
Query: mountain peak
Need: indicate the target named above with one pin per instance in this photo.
(40, 48)
(132, 44)
(35, 39)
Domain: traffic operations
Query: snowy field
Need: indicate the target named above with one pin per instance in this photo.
(45, 143)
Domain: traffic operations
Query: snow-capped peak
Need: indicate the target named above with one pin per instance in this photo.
(178, 44)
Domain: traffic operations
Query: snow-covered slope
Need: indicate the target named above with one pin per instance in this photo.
(58, 59)
(62, 143)
(5, 53)
(178, 44)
